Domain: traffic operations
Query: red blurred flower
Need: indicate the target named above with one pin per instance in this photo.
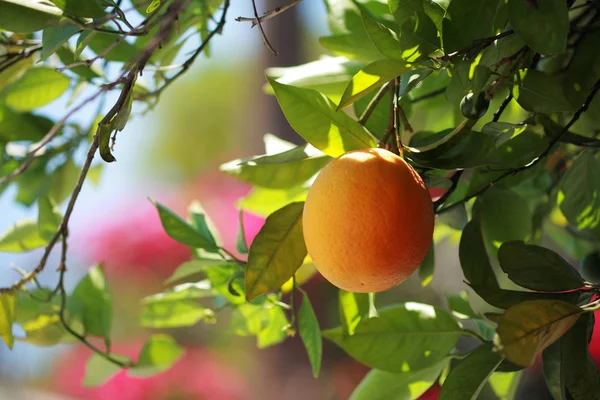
(199, 374)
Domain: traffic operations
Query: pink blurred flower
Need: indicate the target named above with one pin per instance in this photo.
(199, 374)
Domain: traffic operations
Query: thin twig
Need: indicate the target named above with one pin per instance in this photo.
(502, 107)
(426, 96)
(262, 31)
(475, 47)
(539, 158)
(373, 103)
(454, 179)
(269, 14)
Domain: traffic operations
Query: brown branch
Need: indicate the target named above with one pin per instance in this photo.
(373, 103)
(269, 14)
(475, 47)
(263, 35)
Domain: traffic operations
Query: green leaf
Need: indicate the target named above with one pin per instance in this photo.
(466, 21)
(49, 217)
(470, 375)
(505, 216)
(583, 70)
(81, 8)
(581, 373)
(277, 251)
(404, 338)
(153, 6)
(35, 88)
(460, 306)
(427, 267)
(502, 132)
(553, 130)
(554, 373)
(53, 38)
(98, 370)
(537, 268)
(194, 267)
(22, 236)
(91, 303)
(541, 93)
(276, 330)
(529, 327)
(418, 37)
(63, 181)
(382, 385)
(7, 318)
(383, 38)
(403, 10)
(579, 193)
(313, 116)
(240, 242)
(308, 327)
(280, 171)
(543, 25)
(82, 41)
(22, 126)
(183, 232)
(67, 56)
(183, 291)
(370, 78)
(27, 15)
(353, 308)
(380, 116)
(40, 321)
(505, 384)
(202, 223)
(174, 313)
(159, 353)
(263, 202)
(122, 52)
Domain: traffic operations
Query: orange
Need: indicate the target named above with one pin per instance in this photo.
(368, 221)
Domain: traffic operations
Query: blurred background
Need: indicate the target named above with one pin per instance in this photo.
(216, 113)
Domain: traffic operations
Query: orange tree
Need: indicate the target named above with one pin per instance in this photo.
(493, 102)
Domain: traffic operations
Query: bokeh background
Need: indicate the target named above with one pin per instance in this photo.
(216, 113)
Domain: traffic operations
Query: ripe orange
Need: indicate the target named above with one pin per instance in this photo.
(368, 221)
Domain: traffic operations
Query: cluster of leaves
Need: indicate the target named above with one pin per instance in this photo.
(419, 77)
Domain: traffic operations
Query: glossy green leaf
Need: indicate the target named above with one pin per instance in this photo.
(583, 70)
(276, 330)
(81, 8)
(579, 193)
(313, 116)
(190, 268)
(310, 333)
(541, 93)
(403, 10)
(382, 385)
(502, 132)
(22, 236)
(53, 38)
(418, 37)
(263, 202)
(581, 373)
(553, 130)
(383, 38)
(182, 231)
(37, 87)
(543, 25)
(49, 217)
(505, 216)
(7, 317)
(82, 41)
(466, 21)
(505, 384)
(159, 353)
(98, 370)
(554, 373)
(203, 224)
(277, 251)
(427, 267)
(280, 171)
(405, 337)
(27, 15)
(529, 327)
(353, 308)
(537, 268)
(174, 313)
(468, 378)
(91, 303)
(153, 6)
(370, 78)
(460, 306)
(22, 126)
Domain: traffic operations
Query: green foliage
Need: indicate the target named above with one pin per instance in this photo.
(494, 103)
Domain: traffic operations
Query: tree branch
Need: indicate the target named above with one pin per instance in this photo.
(269, 14)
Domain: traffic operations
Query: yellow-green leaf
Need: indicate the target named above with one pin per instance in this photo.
(7, 317)
(37, 87)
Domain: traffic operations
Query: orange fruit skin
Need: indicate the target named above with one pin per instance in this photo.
(368, 221)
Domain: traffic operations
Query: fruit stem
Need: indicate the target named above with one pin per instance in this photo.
(400, 114)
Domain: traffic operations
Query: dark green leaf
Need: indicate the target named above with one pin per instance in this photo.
(468, 378)
(583, 70)
(418, 37)
(371, 78)
(277, 251)
(403, 10)
(529, 327)
(543, 25)
(53, 38)
(81, 8)
(460, 306)
(280, 171)
(159, 353)
(91, 303)
(383, 38)
(382, 385)
(541, 93)
(308, 327)
(35, 88)
(552, 130)
(405, 337)
(537, 268)
(122, 52)
(181, 231)
(554, 374)
(7, 317)
(27, 15)
(22, 126)
(466, 21)
(505, 216)
(427, 266)
(313, 116)
(581, 373)
(67, 56)
(502, 132)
